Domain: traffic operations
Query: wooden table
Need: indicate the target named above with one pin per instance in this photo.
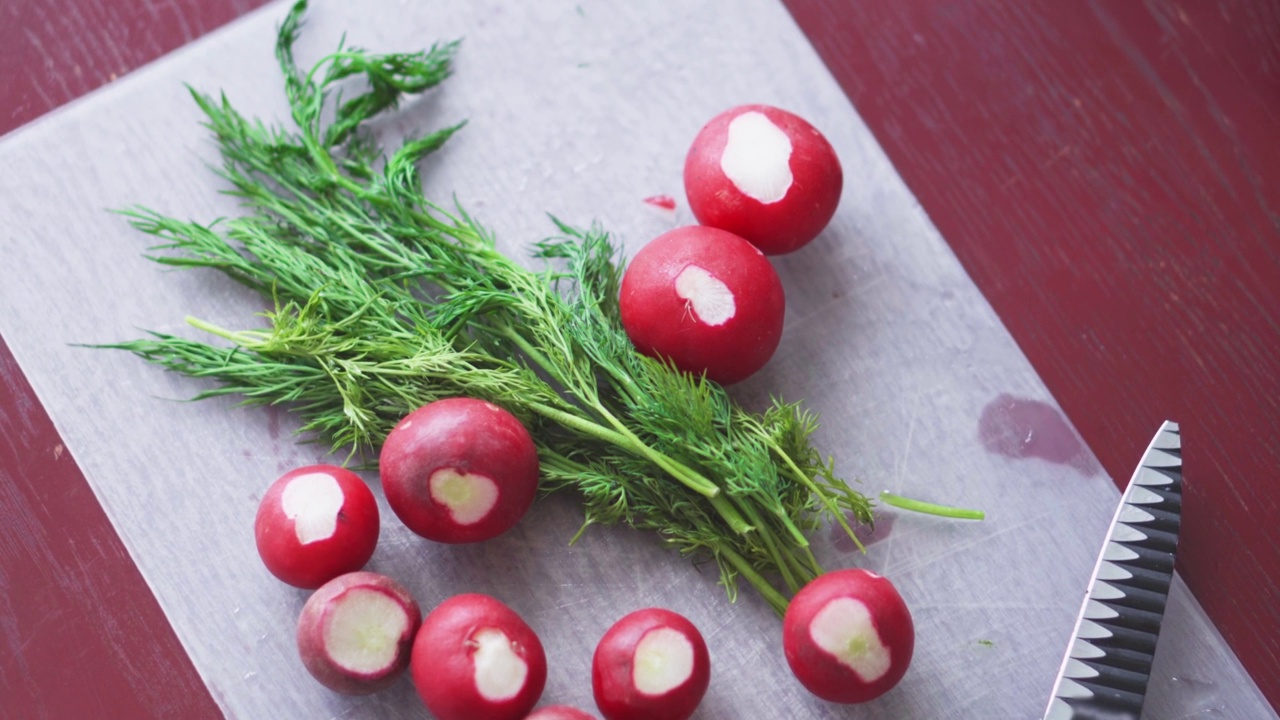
(1105, 171)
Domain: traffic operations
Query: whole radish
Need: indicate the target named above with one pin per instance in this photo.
(651, 665)
(315, 523)
(355, 633)
(559, 712)
(459, 470)
(476, 659)
(848, 636)
(765, 174)
(706, 300)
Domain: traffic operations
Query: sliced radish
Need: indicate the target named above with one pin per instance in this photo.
(848, 636)
(316, 523)
(765, 174)
(559, 712)
(459, 470)
(651, 665)
(476, 659)
(355, 633)
(706, 300)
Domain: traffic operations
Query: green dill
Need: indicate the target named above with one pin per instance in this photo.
(928, 508)
(383, 300)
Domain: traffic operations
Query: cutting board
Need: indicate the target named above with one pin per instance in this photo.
(583, 110)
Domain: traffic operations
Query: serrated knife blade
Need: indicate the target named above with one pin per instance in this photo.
(1107, 665)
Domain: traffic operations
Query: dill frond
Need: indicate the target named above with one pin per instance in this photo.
(384, 300)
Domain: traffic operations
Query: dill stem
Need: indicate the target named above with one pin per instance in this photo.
(239, 338)
(631, 443)
(771, 595)
(928, 508)
(826, 499)
(795, 532)
(780, 557)
(686, 475)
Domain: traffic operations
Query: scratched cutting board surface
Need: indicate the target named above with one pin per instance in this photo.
(584, 110)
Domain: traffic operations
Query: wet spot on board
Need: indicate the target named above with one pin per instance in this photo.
(868, 535)
(1021, 428)
(666, 202)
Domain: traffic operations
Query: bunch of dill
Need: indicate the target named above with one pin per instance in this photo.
(384, 301)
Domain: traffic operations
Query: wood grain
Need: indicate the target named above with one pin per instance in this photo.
(80, 634)
(54, 52)
(1108, 173)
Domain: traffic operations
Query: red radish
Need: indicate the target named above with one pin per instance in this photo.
(476, 659)
(848, 636)
(459, 470)
(765, 174)
(316, 523)
(355, 633)
(651, 665)
(559, 712)
(705, 299)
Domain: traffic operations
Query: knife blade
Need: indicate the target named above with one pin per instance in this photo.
(1107, 665)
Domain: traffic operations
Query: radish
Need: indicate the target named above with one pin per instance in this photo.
(764, 174)
(316, 523)
(476, 659)
(355, 633)
(706, 300)
(848, 636)
(459, 470)
(559, 712)
(651, 665)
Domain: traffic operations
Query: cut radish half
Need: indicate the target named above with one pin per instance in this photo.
(459, 470)
(355, 633)
(848, 636)
(316, 523)
(651, 665)
(476, 659)
(705, 300)
(764, 174)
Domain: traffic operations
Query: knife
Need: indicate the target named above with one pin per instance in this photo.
(1108, 661)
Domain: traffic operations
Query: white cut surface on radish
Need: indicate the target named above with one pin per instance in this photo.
(312, 502)
(362, 631)
(843, 628)
(709, 298)
(662, 662)
(500, 673)
(757, 158)
(468, 496)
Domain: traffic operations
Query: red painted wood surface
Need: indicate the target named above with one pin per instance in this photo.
(1106, 171)
(52, 52)
(81, 635)
(1109, 175)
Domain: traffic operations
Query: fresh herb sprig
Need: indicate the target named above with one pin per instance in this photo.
(384, 300)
